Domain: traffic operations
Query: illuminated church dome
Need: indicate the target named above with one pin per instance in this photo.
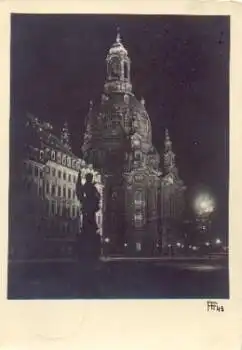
(119, 121)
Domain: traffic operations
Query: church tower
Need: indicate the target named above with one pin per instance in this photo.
(118, 69)
(172, 198)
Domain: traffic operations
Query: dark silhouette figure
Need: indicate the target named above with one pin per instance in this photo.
(89, 198)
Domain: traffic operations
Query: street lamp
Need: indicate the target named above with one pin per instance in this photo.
(204, 205)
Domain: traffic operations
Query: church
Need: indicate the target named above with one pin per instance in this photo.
(143, 196)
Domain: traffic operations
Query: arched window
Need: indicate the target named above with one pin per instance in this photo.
(116, 67)
(138, 220)
(138, 198)
(138, 156)
(53, 155)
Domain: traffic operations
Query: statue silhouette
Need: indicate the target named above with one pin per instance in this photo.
(89, 198)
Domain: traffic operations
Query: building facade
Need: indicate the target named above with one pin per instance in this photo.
(49, 217)
(138, 201)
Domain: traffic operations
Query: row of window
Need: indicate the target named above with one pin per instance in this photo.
(59, 191)
(38, 172)
(55, 209)
(61, 175)
(60, 158)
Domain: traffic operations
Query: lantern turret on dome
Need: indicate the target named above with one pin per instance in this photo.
(118, 69)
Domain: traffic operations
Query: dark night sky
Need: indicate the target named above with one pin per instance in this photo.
(180, 64)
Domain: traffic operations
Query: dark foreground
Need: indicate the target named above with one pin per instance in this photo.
(197, 278)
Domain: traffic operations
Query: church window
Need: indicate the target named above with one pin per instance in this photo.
(109, 122)
(73, 163)
(53, 172)
(64, 191)
(116, 68)
(69, 177)
(47, 169)
(59, 191)
(64, 176)
(64, 160)
(59, 174)
(74, 194)
(74, 179)
(138, 198)
(138, 220)
(74, 211)
(137, 156)
(69, 161)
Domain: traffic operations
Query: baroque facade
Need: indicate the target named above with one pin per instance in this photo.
(48, 217)
(140, 203)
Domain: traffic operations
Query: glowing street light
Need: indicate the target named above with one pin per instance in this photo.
(204, 204)
(218, 241)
